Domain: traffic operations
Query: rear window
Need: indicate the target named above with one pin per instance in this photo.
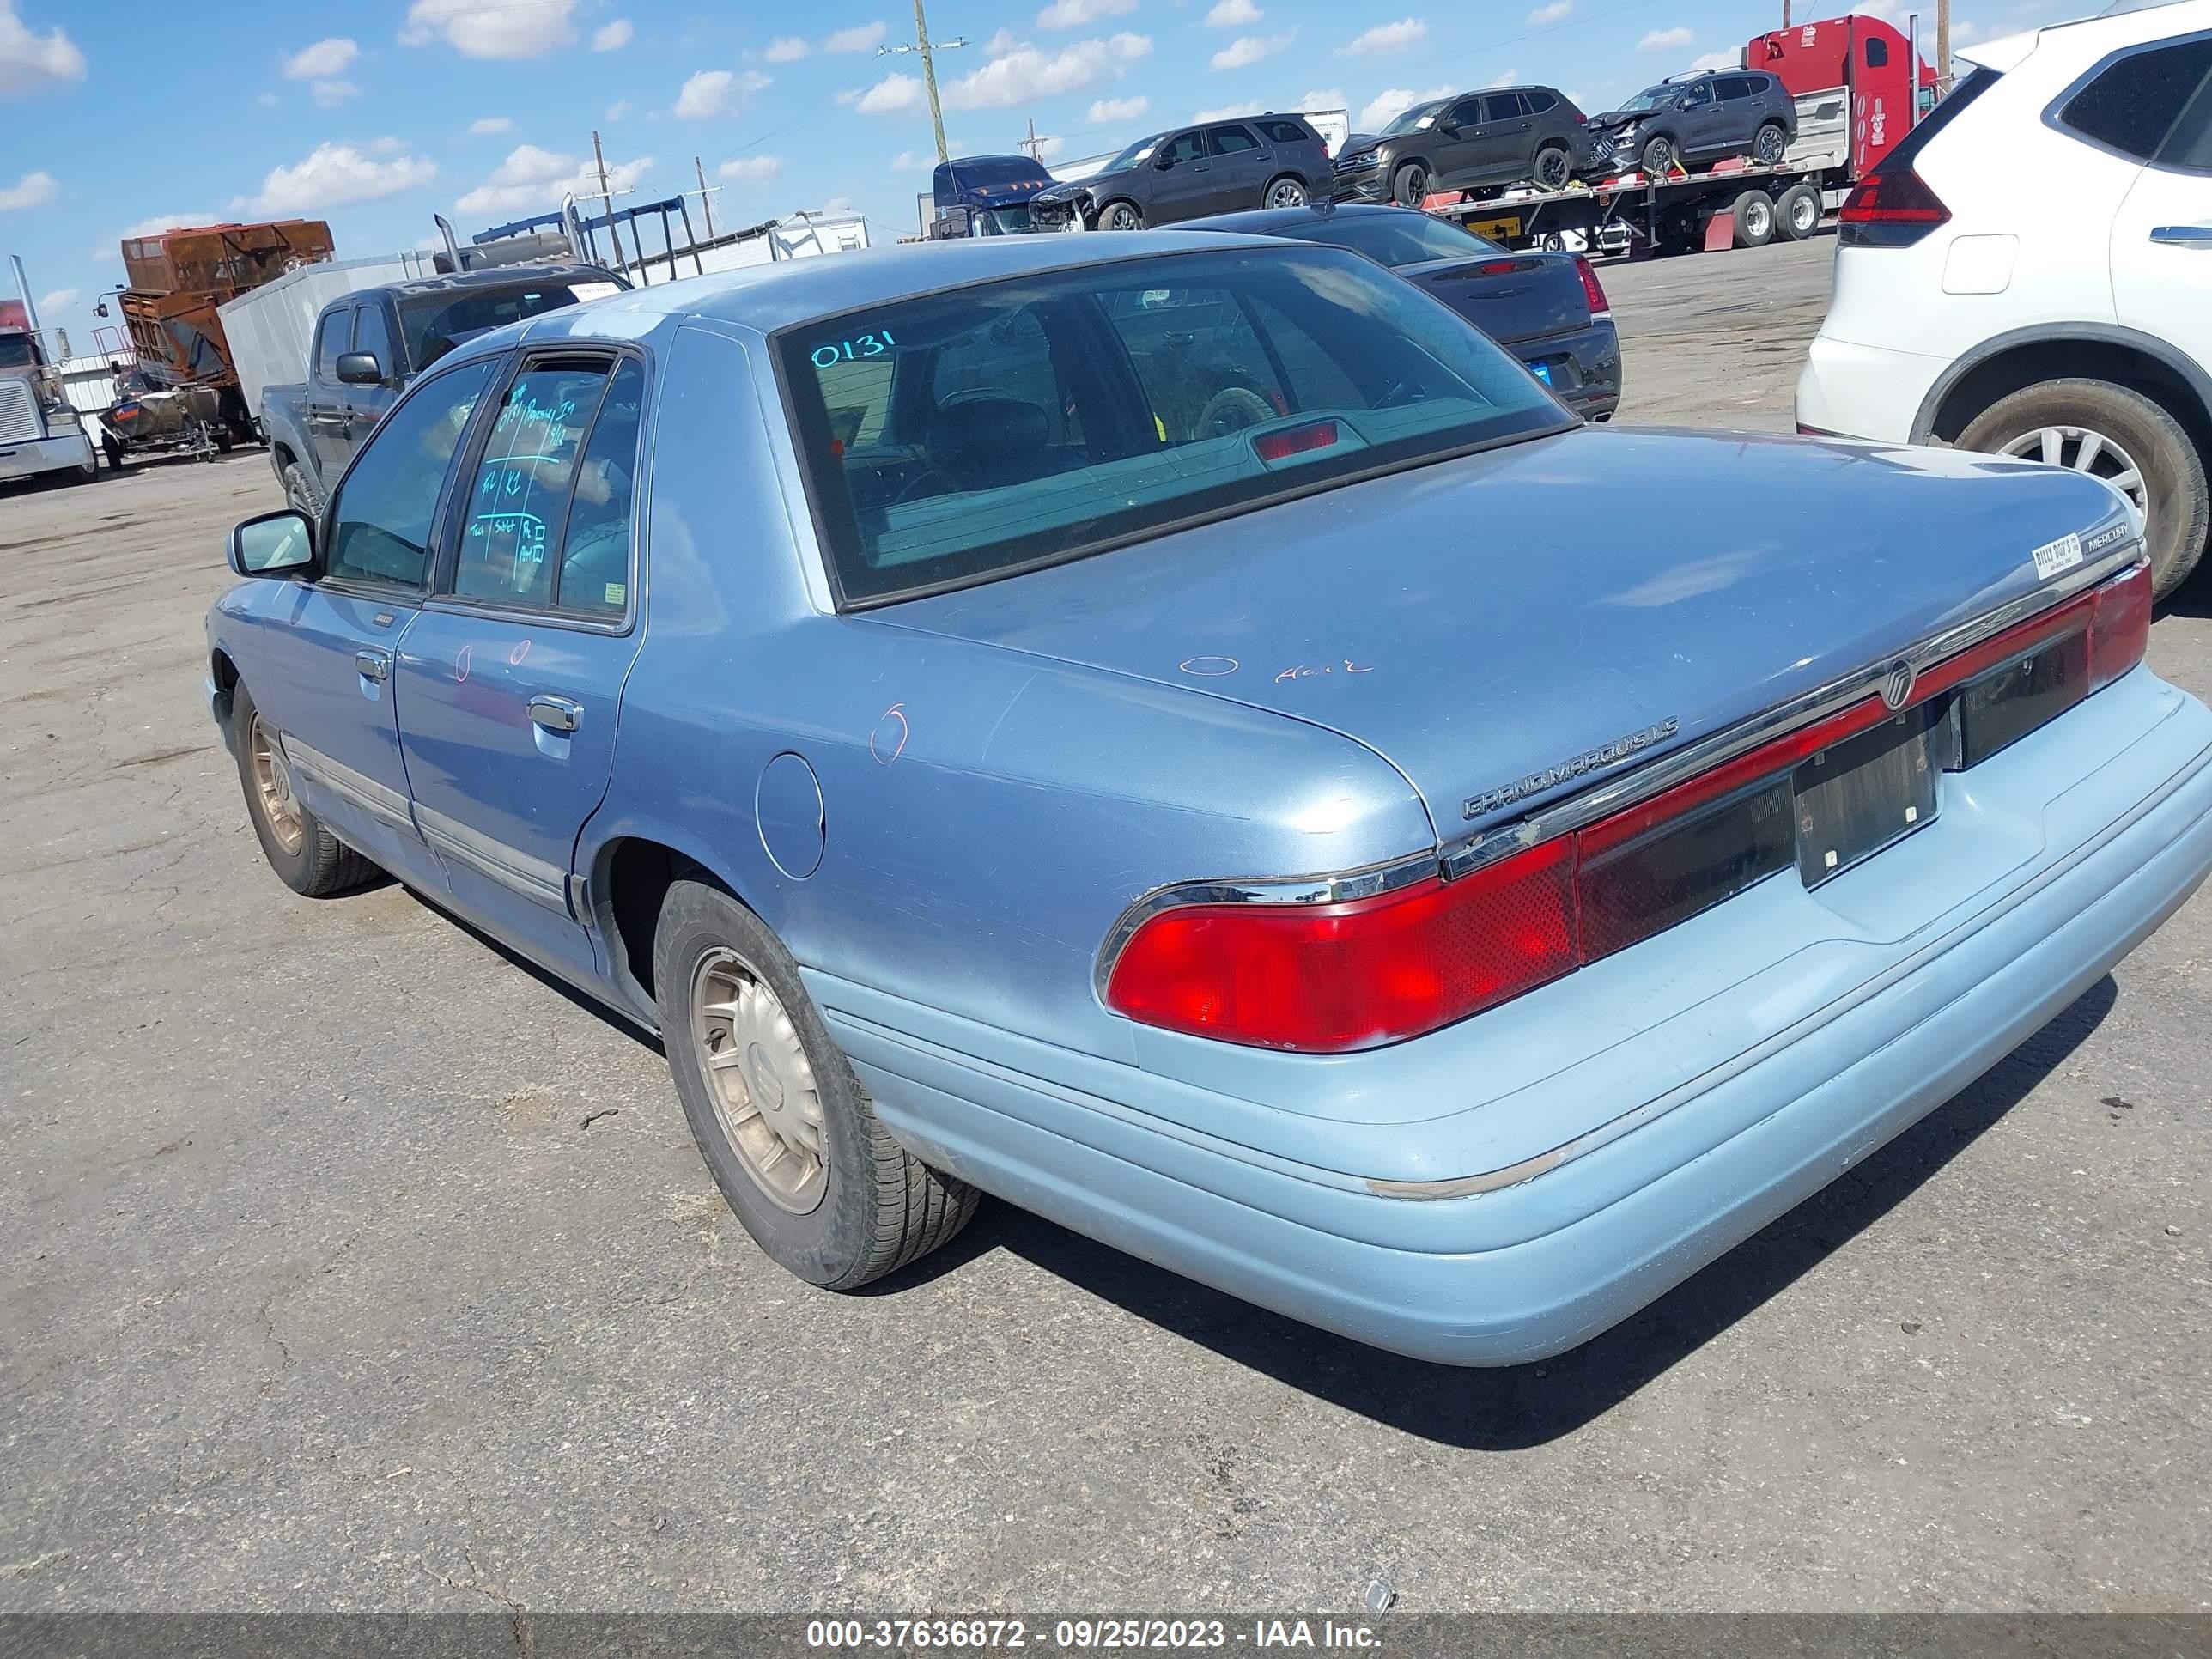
(1397, 236)
(434, 324)
(963, 436)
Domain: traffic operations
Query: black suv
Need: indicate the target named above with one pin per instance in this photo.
(1706, 117)
(1223, 166)
(1505, 136)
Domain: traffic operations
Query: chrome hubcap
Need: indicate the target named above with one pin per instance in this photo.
(1759, 220)
(760, 1080)
(1804, 213)
(2084, 450)
(272, 781)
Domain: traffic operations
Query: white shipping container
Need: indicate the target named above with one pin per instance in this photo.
(270, 329)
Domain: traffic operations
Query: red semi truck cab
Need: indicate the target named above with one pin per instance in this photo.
(1859, 58)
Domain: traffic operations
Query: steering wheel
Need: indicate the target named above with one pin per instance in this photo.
(1231, 410)
(1408, 390)
(942, 482)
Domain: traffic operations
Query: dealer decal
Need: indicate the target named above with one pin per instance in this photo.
(2052, 557)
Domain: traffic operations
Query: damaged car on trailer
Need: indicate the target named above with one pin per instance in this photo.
(1148, 734)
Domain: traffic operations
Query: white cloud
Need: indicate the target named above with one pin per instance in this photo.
(1322, 98)
(1717, 60)
(785, 49)
(329, 94)
(838, 205)
(1232, 15)
(850, 96)
(613, 37)
(1080, 13)
(156, 225)
(1107, 110)
(866, 38)
(333, 175)
(1026, 73)
(323, 61)
(893, 93)
(32, 190)
(1511, 78)
(752, 167)
(476, 30)
(1962, 30)
(57, 299)
(618, 109)
(1556, 12)
(1385, 37)
(1229, 112)
(267, 100)
(32, 63)
(1248, 49)
(1666, 40)
(532, 178)
(1001, 42)
(487, 124)
(906, 161)
(1392, 102)
(717, 92)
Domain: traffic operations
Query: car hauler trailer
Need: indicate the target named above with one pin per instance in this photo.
(1853, 81)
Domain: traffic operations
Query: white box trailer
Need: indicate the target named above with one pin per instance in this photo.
(270, 328)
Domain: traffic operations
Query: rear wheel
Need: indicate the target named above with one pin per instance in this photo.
(1755, 219)
(787, 1132)
(307, 857)
(1552, 167)
(1655, 157)
(1286, 192)
(2113, 433)
(1767, 147)
(1120, 215)
(1798, 214)
(1409, 185)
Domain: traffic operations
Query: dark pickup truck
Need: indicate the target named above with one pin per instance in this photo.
(369, 344)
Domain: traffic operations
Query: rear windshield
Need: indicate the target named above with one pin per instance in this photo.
(434, 324)
(1398, 236)
(963, 436)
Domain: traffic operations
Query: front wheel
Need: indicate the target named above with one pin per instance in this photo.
(307, 857)
(1554, 165)
(1286, 192)
(787, 1132)
(1766, 148)
(1658, 155)
(1120, 215)
(1409, 185)
(2114, 432)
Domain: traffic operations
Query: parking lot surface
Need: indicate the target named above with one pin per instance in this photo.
(349, 1265)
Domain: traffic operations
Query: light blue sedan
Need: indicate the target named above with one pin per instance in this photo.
(1175, 736)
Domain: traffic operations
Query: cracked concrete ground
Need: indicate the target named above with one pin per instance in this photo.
(349, 1265)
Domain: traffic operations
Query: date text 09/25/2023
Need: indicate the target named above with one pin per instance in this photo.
(993, 1634)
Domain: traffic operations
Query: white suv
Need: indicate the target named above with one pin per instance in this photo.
(2029, 272)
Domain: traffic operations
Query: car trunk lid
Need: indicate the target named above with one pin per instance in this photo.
(1510, 297)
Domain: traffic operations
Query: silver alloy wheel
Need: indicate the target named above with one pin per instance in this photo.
(1805, 214)
(1758, 218)
(760, 1080)
(1287, 193)
(1122, 216)
(272, 779)
(1767, 148)
(2084, 450)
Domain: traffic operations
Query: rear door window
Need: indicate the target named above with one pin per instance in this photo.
(1504, 107)
(1229, 140)
(2189, 145)
(518, 499)
(2132, 104)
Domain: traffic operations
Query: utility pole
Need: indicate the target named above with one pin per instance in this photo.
(607, 201)
(1034, 144)
(1785, 17)
(1943, 53)
(928, 49)
(706, 197)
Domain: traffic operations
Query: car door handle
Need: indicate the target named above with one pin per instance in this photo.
(2183, 236)
(373, 665)
(556, 714)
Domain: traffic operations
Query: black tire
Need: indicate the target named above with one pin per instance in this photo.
(85, 474)
(1797, 213)
(2175, 505)
(1754, 214)
(297, 494)
(1552, 167)
(880, 1207)
(1285, 191)
(1770, 143)
(1409, 185)
(223, 440)
(321, 865)
(1655, 157)
(1120, 215)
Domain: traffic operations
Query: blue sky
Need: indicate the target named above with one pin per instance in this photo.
(375, 115)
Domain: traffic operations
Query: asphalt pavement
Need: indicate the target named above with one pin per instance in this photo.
(350, 1265)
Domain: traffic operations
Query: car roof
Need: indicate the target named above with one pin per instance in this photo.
(775, 295)
(1271, 222)
(493, 276)
(2114, 28)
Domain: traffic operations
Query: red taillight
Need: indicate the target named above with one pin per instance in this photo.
(1593, 290)
(1329, 978)
(1326, 978)
(1890, 210)
(1295, 441)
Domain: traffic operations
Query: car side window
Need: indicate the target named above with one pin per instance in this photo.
(1698, 96)
(1541, 103)
(1502, 107)
(1283, 132)
(1186, 147)
(381, 520)
(519, 493)
(1729, 88)
(370, 334)
(1467, 113)
(333, 340)
(2189, 145)
(1228, 141)
(2135, 102)
(594, 574)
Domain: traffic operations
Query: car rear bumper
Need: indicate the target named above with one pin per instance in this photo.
(1582, 367)
(1532, 1258)
(32, 457)
(1875, 392)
